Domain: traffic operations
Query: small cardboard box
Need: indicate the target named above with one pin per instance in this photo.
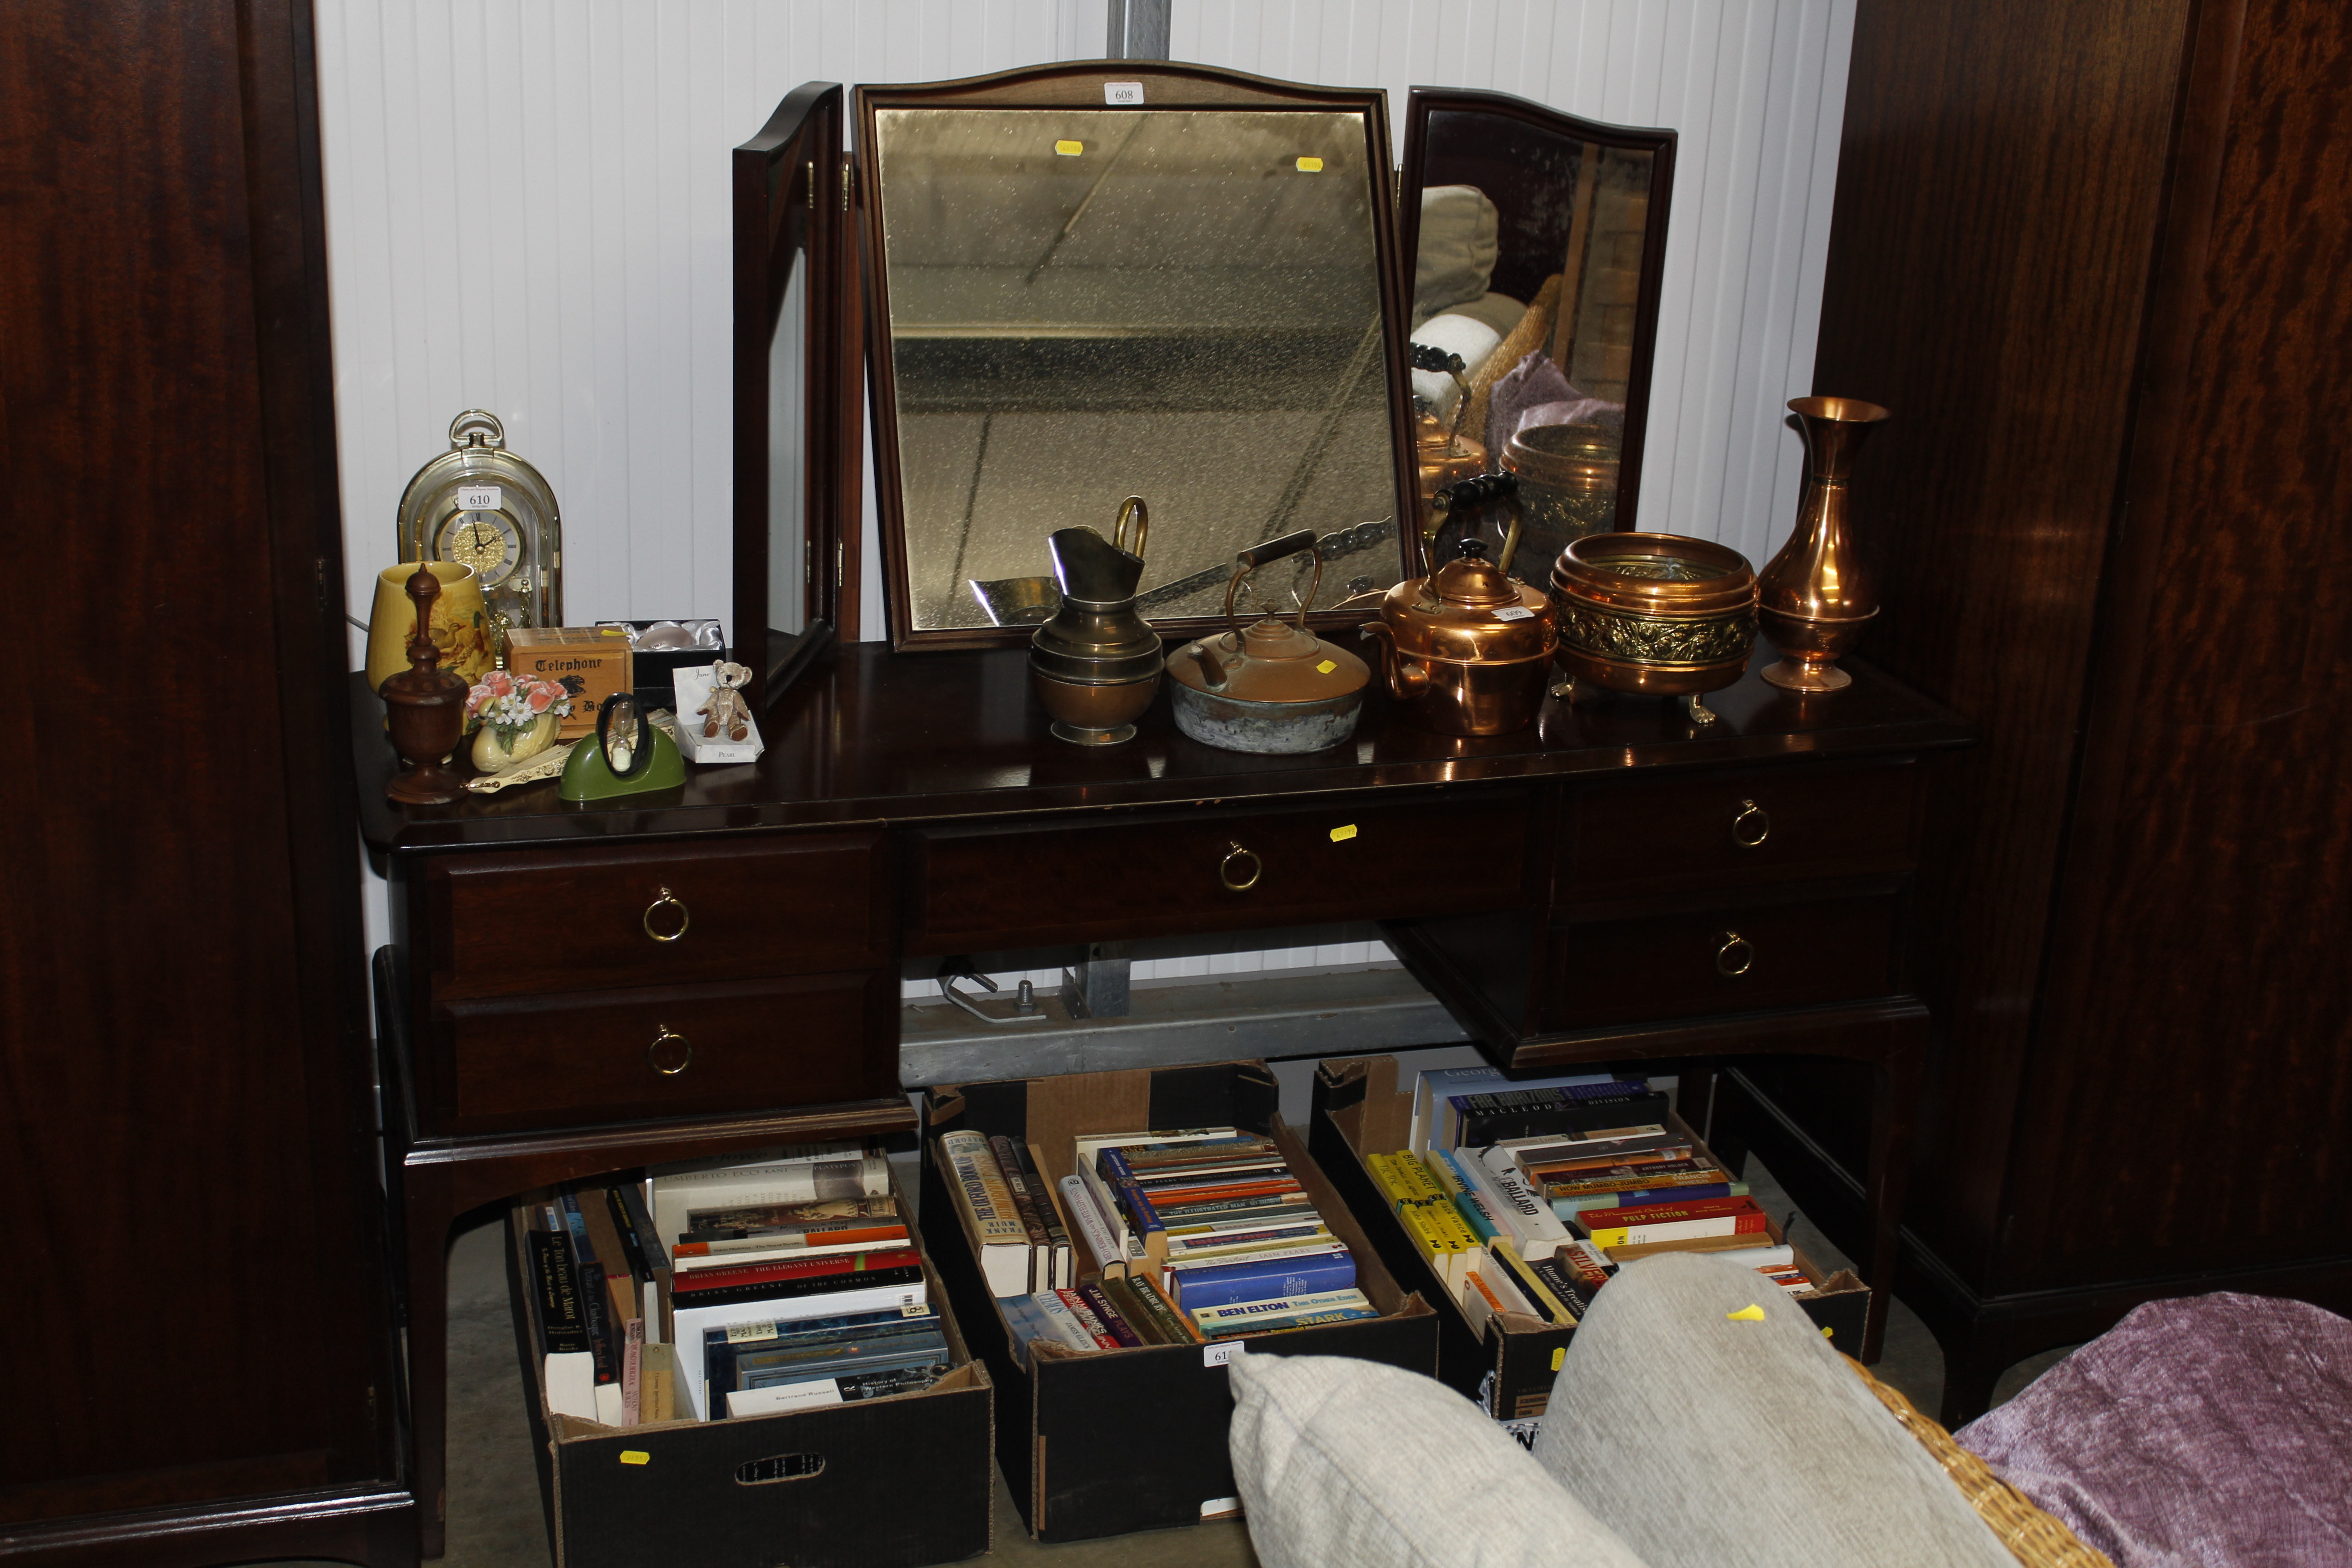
(597, 658)
(1121, 1440)
(881, 1483)
(1505, 1363)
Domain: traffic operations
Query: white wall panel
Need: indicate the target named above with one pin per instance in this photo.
(528, 211)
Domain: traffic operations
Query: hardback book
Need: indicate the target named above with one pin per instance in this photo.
(1603, 1204)
(657, 1382)
(985, 1204)
(1162, 1310)
(561, 1322)
(1437, 1086)
(833, 1390)
(1535, 1231)
(1259, 1279)
(1781, 1256)
(1566, 1287)
(1064, 1322)
(1130, 1307)
(872, 1292)
(1087, 1160)
(623, 1282)
(1093, 1229)
(1063, 1268)
(1094, 1327)
(1510, 1266)
(564, 1220)
(694, 1258)
(649, 1257)
(1024, 1207)
(1664, 1173)
(782, 1281)
(731, 1367)
(1307, 1309)
(1107, 1314)
(1486, 1119)
(811, 1173)
(1674, 1221)
(752, 1222)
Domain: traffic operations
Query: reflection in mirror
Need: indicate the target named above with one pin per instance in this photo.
(1087, 304)
(788, 457)
(1534, 308)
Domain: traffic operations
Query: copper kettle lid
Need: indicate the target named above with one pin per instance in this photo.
(1271, 660)
(1470, 611)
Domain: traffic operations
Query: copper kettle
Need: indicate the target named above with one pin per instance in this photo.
(1467, 649)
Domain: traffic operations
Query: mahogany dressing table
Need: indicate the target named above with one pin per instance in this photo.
(577, 990)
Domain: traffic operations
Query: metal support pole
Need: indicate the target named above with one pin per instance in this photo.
(1138, 30)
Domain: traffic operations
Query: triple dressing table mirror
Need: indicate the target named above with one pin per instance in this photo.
(1538, 246)
(1091, 281)
(797, 435)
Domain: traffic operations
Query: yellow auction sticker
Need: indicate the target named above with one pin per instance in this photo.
(1069, 149)
(1310, 166)
(1342, 835)
(1325, 668)
(635, 1457)
(1559, 1354)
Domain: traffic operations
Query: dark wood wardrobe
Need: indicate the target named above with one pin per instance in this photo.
(201, 1362)
(2096, 256)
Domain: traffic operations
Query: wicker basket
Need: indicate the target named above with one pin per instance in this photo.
(2033, 1536)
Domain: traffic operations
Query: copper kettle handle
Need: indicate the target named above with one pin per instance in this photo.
(1273, 550)
(1406, 680)
(1132, 507)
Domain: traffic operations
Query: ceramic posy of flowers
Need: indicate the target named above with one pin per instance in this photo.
(518, 716)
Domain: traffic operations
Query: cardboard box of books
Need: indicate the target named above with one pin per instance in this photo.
(1108, 1319)
(1501, 1340)
(815, 1329)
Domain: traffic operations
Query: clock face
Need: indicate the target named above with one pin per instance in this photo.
(486, 541)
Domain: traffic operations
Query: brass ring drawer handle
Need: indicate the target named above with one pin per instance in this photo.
(684, 917)
(1751, 825)
(1229, 868)
(1736, 957)
(676, 1058)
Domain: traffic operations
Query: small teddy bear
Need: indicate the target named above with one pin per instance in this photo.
(727, 710)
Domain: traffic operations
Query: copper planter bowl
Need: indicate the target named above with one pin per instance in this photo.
(1656, 614)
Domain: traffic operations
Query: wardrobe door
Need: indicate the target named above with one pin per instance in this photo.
(198, 1309)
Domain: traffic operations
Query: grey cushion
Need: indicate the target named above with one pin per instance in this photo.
(1351, 1464)
(1710, 1441)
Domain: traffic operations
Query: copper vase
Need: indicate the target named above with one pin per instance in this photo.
(1814, 600)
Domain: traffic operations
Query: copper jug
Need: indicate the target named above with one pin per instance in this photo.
(1467, 649)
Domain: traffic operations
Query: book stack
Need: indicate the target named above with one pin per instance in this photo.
(733, 1291)
(1526, 1198)
(1023, 1245)
(599, 1290)
(1200, 1234)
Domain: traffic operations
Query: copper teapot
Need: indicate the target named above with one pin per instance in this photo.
(1467, 649)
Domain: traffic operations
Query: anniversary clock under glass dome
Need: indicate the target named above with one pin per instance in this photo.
(479, 505)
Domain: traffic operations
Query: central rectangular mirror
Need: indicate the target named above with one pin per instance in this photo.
(1196, 301)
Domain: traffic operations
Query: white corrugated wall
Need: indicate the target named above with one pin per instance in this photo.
(527, 211)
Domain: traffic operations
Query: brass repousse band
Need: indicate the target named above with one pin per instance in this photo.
(1654, 640)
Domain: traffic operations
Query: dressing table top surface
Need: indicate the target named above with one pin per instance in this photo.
(878, 737)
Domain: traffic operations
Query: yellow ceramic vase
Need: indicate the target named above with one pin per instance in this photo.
(460, 629)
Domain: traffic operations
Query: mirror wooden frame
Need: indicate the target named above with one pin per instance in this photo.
(1165, 87)
(791, 189)
(1660, 144)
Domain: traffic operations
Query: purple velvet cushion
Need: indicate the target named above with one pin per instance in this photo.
(2209, 1431)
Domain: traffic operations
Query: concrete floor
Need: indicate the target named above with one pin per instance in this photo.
(496, 1520)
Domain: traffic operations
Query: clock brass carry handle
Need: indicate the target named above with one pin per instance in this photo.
(671, 1052)
(684, 917)
(1751, 826)
(1736, 957)
(1229, 870)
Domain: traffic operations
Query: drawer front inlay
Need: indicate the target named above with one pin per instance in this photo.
(1209, 869)
(560, 922)
(1732, 829)
(525, 1063)
(1734, 958)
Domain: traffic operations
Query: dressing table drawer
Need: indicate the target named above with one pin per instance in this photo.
(1727, 829)
(564, 920)
(522, 1063)
(1734, 958)
(1205, 869)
